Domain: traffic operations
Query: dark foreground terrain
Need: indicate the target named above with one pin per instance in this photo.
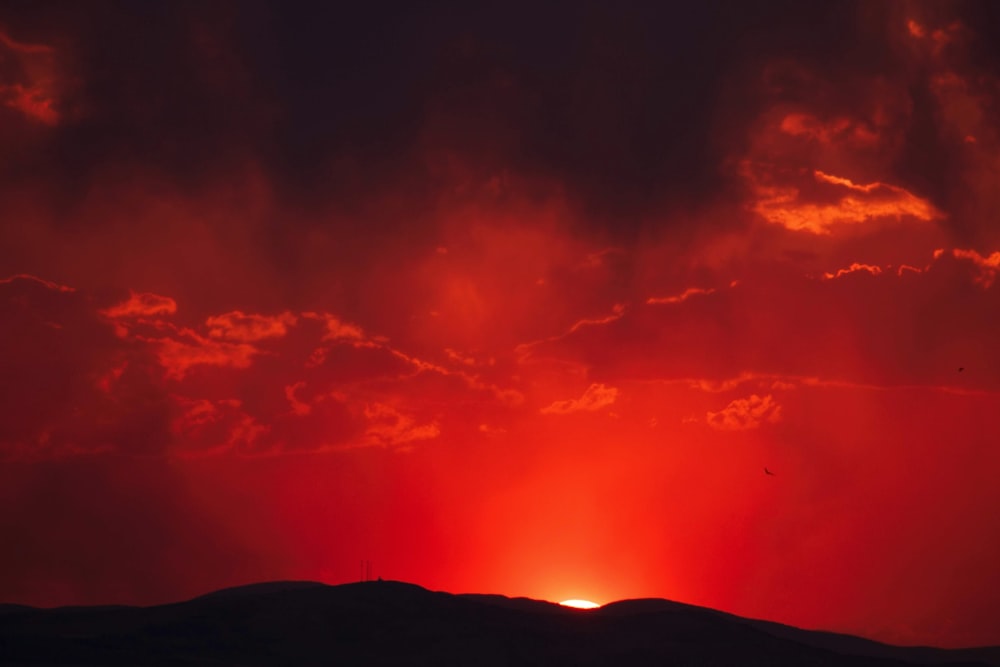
(382, 623)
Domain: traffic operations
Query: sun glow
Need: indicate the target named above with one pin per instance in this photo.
(580, 604)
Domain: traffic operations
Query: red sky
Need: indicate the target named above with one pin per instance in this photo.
(506, 302)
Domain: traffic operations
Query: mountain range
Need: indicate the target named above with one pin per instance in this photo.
(396, 623)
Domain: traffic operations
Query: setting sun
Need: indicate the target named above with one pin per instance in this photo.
(580, 604)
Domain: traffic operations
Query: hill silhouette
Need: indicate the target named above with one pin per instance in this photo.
(383, 623)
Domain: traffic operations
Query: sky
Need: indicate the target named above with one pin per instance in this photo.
(506, 298)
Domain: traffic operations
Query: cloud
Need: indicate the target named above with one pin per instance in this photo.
(986, 267)
(679, 298)
(249, 328)
(745, 413)
(335, 332)
(388, 427)
(799, 206)
(20, 47)
(905, 326)
(142, 384)
(298, 407)
(525, 350)
(142, 304)
(856, 267)
(41, 281)
(491, 431)
(838, 130)
(336, 328)
(228, 343)
(616, 312)
(71, 387)
(207, 427)
(30, 87)
(596, 397)
(188, 349)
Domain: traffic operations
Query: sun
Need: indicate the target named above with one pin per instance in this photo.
(580, 604)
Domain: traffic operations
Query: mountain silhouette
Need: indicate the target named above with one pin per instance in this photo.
(395, 623)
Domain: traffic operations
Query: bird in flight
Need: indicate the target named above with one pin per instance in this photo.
(768, 472)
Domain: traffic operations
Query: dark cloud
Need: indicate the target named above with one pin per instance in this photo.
(623, 105)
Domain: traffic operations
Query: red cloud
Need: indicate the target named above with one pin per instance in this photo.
(596, 397)
(31, 88)
(33, 102)
(20, 47)
(179, 355)
(986, 267)
(337, 329)
(838, 130)
(249, 328)
(298, 407)
(205, 427)
(41, 281)
(524, 350)
(746, 413)
(679, 298)
(116, 400)
(142, 304)
(389, 427)
(70, 387)
(862, 324)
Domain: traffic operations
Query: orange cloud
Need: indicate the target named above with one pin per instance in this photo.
(797, 206)
(746, 413)
(987, 267)
(853, 268)
(239, 326)
(596, 396)
(142, 304)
